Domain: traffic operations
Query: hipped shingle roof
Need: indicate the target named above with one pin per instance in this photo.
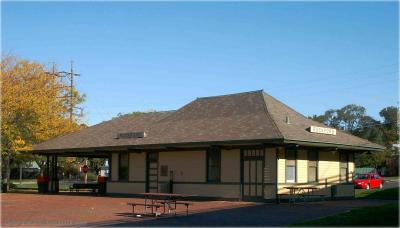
(236, 117)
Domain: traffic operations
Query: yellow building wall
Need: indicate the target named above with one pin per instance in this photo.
(187, 166)
(351, 166)
(211, 190)
(328, 170)
(328, 167)
(114, 165)
(126, 187)
(230, 165)
(190, 166)
(281, 165)
(137, 166)
(302, 166)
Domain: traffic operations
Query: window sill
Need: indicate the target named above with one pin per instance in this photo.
(213, 182)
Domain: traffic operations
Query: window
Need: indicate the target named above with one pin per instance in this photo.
(213, 165)
(290, 156)
(312, 166)
(344, 159)
(164, 170)
(123, 171)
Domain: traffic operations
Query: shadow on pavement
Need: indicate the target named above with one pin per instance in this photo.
(258, 215)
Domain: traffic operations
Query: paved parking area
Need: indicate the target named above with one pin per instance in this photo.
(19, 209)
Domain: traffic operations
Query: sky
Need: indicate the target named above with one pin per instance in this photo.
(136, 56)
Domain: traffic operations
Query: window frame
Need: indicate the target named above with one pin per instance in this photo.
(316, 166)
(287, 165)
(119, 167)
(214, 151)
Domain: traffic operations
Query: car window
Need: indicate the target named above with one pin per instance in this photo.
(376, 177)
(362, 176)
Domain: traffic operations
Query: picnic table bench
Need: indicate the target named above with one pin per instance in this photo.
(152, 206)
(299, 192)
(165, 200)
(170, 208)
(80, 186)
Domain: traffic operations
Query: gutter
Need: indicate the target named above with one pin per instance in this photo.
(329, 144)
(185, 145)
(194, 145)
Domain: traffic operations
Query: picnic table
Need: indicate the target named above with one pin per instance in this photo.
(155, 200)
(300, 192)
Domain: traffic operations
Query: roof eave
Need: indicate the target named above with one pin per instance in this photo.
(331, 144)
(165, 145)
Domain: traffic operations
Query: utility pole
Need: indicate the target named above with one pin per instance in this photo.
(70, 88)
(71, 93)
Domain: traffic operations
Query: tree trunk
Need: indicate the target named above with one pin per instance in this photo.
(20, 173)
(8, 171)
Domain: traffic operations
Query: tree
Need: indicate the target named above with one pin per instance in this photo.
(135, 113)
(371, 130)
(375, 159)
(330, 118)
(32, 110)
(349, 118)
(353, 119)
(390, 117)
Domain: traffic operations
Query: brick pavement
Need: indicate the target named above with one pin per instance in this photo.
(32, 209)
(73, 209)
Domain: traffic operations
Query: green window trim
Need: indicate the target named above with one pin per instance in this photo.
(123, 167)
(291, 165)
(312, 160)
(213, 165)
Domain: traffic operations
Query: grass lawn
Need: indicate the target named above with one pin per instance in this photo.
(390, 193)
(32, 184)
(391, 178)
(385, 215)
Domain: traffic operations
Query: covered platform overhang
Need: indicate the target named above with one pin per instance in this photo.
(105, 151)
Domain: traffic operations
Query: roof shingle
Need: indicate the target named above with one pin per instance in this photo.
(236, 117)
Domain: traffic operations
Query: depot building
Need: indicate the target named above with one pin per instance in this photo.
(245, 146)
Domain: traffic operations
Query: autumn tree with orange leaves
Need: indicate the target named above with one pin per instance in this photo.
(32, 109)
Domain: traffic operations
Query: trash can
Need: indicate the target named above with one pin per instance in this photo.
(102, 181)
(43, 184)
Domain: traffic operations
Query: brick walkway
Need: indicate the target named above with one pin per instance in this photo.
(32, 209)
(23, 209)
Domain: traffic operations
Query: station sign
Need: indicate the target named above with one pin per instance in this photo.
(323, 130)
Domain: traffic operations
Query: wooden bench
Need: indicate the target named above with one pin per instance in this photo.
(304, 196)
(79, 186)
(152, 206)
(169, 203)
(187, 206)
(318, 196)
(279, 196)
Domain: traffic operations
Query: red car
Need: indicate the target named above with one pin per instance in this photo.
(368, 181)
